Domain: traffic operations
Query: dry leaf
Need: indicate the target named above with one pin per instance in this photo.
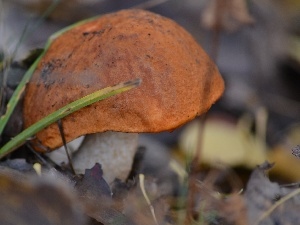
(30, 201)
(96, 195)
(287, 165)
(262, 194)
(225, 142)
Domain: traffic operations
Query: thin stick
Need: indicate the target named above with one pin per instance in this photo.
(194, 165)
(40, 158)
(278, 203)
(62, 134)
(142, 186)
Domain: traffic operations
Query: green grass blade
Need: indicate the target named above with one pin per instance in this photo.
(30, 30)
(64, 111)
(21, 87)
(20, 90)
(16, 96)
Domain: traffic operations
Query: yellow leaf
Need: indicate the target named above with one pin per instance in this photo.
(224, 142)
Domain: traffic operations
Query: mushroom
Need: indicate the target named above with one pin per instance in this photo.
(179, 80)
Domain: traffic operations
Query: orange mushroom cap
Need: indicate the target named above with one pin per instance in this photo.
(179, 81)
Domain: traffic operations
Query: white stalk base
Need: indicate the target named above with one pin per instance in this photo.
(113, 150)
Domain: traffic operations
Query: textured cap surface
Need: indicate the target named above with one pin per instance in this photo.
(179, 81)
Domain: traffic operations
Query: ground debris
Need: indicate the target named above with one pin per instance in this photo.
(30, 200)
(268, 202)
(89, 200)
(96, 196)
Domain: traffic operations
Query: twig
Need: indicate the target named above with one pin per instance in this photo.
(142, 186)
(278, 203)
(192, 179)
(62, 134)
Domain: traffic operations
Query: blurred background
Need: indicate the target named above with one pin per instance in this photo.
(256, 45)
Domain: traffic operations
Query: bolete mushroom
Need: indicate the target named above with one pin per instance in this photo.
(179, 80)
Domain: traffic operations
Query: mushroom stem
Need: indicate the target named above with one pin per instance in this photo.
(113, 150)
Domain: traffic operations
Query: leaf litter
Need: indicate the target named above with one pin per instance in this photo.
(58, 198)
(262, 196)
